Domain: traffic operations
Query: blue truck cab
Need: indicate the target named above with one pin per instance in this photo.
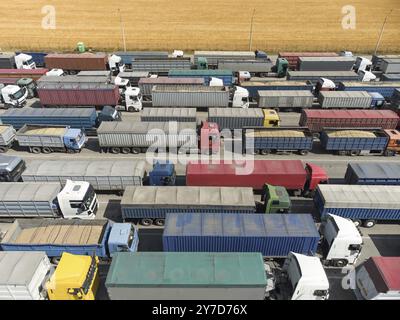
(163, 174)
(123, 238)
(74, 139)
(378, 100)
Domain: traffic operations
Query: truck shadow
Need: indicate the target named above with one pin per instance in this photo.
(150, 239)
(92, 144)
(102, 291)
(113, 210)
(387, 245)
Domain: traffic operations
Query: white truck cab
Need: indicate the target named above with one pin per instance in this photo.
(77, 200)
(24, 61)
(14, 96)
(133, 100)
(346, 53)
(363, 64)
(115, 63)
(177, 54)
(215, 82)
(122, 83)
(240, 98)
(341, 241)
(366, 76)
(55, 73)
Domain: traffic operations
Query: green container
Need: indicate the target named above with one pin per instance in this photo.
(81, 47)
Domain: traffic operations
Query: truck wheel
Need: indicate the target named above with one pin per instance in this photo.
(35, 150)
(341, 153)
(264, 152)
(340, 263)
(389, 153)
(115, 150)
(159, 222)
(46, 150)
(126, 150)
(368, 223)
(131, 109)
(3, 149)
(355, 153)
(135, 150)
(303, 152)
(55, 260)
(357, 222)
(146, 222)
(316, 135)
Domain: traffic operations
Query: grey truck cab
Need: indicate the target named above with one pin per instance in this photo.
(11, 168)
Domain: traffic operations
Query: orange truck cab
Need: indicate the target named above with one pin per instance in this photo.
(393, 146)
(210, 139)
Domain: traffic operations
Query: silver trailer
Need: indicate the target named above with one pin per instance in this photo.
(24, 274)
(29, 200)
(161, 66)
(236, 118)
(377, 60)
(285, 99)
(168, 114)
(74, 79)
(390, 65)
(391, 77)
(134, 76)
(345, 99)
(190, 96)
(257, 66)
(314, 76)
(146, 84)
(137, 137)
(103, 175)
(213, 57)
(326, 63)
(7, 137)
(42, 137)
(95, 73)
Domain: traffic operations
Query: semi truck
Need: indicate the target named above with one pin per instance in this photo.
(103, 175)
(129, 56)
(7, 137)
(33, 74)
(161, 66)
(293, 57)
(258, 67)
(48, 139)
(86, 119)
(13, 96)
(11, 168)
(314, 76)
(77, 200)
(350, 100)
(146, 84)
(378, 279)
(385, 88)
(19, 61)
(100, 238)
(134, 76)
(360, 141)
(374, 173)
(377, 60)
(169, 114)
(37, 57)
(290, 174)
(364, 204)
(150, 204)
(326, 63)
(26, 83)
(225, 75)
(254, 87)
(287, 100)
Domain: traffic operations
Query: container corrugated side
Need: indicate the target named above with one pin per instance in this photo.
(345, 99)
(285, 99)
(236, 118)
(274, 235)
(168, 114)
(377, 143)
(385, 88)
(374, 173)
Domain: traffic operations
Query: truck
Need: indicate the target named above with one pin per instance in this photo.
(316, 120)
(154, 275)
(293, 57)
(385, 88)
(378, 279)
(26, 83)
(254, 87)
(290, 174)
(212, 58)
(129, 56)
(150, 204)
(162, 174)
(238, 118)
(199, 96)
(19, 61)
(350, 100)
(374, 173)
(261, 140)
(86, 119)
(360, 141)
(37, 57)
(314, 76)
(287, 100)
(103, 175)
(364, 204)
(100, 238)
(33, 74)
(24, 275)
(161, 66)
(77, 200)
(390, 65)
(11, 168)
(325, 63)
(146, 84)
(378, 59)
(225, 75)
(13, 96)
(7, 137)
(257, 67)
(169, 114)
(48, 139)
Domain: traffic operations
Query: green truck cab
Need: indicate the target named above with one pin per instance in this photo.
(275, 199)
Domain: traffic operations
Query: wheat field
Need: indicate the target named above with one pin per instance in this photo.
(200, 24)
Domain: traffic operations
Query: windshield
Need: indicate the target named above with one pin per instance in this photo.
(19, 94)
(294, 272)
(29, 62)
(88, 199)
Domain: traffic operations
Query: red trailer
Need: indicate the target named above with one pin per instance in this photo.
(293, 57)
(34, 74)
(79, 94)
(76, 61)
(316, 120)
(290, 174)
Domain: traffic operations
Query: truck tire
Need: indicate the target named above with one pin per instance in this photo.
(340, 263)
(316, 135)
(357, 222)
(369, 223)
(3, 149)
(146, 222)
(264, 152)
(125, 150)
(159, 222)
(389, 153)
(115, 150)
(354, 153)
(46, 150)
(135, 150)
(35, 150)
(55, 260)
(341, 153)
(131, 109)
(303, 152)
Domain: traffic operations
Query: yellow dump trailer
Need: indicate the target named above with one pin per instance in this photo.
(76, 278)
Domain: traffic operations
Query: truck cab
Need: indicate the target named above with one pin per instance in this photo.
(240, 98)
(29, 85)
(11, 168)
(116, 64)
(74, 140)
(275, 199)
(315, 176)
(271, 118)
(132, 99)
(324, 84)
(378, 100)
(163, 174)
(362, 64)
(24, 61)
(210, 139)
(75, 278)
(77, 200)
(366, 76)
(108, 113)
(393, 146)
(202, 63)
(123, 238)
(56, 73)
(281, 67)
(122, 84)
(14, 96)
(341, 241)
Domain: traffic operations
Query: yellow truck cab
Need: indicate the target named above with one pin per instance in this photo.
(271, 118)
(76, 278)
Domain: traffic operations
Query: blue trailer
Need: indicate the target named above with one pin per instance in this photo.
(225, 75)
(37, 57)
(362, 203)
(254, 87)
(82, 237)
(355, 141)
(274, 235)
(373, 173)
(385, 88)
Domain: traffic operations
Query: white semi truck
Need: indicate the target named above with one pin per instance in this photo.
(13, 96)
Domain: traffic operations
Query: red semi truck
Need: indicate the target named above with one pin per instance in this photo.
(290, 174)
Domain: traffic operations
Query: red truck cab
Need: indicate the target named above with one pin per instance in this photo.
(210, 139)
(315, 176)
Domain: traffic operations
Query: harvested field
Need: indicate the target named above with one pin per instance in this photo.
(209, 25)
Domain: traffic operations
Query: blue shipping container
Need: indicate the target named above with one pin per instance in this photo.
(386, 89)
(375, 173)
(37, 57)
(274, 235)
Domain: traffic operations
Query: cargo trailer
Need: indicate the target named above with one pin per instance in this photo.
(293, 57)
(287, 100)
(103, 175)
(364, 204)
(186, 276)
(385, 88)
(23, 275)
(316, 120)
(391, 77)
(77, 200)
(325, 63)
(161, 66)
(237, 118)
(74, 79)
(225, 75)
(150, 204)
(254, 87)
(214, 57)
(314, 76)
(390, 65)
(37, 57)
(373, 173)
(259, 140)
(147, 84)
(129, 56)
(350, 100)
(95, 73)
(7, 61)
(95, 237)
(168, 114)
(290, 174)
(75, 62)
(7, 137)
(33, 74)
(257, 66)
(378, 59)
